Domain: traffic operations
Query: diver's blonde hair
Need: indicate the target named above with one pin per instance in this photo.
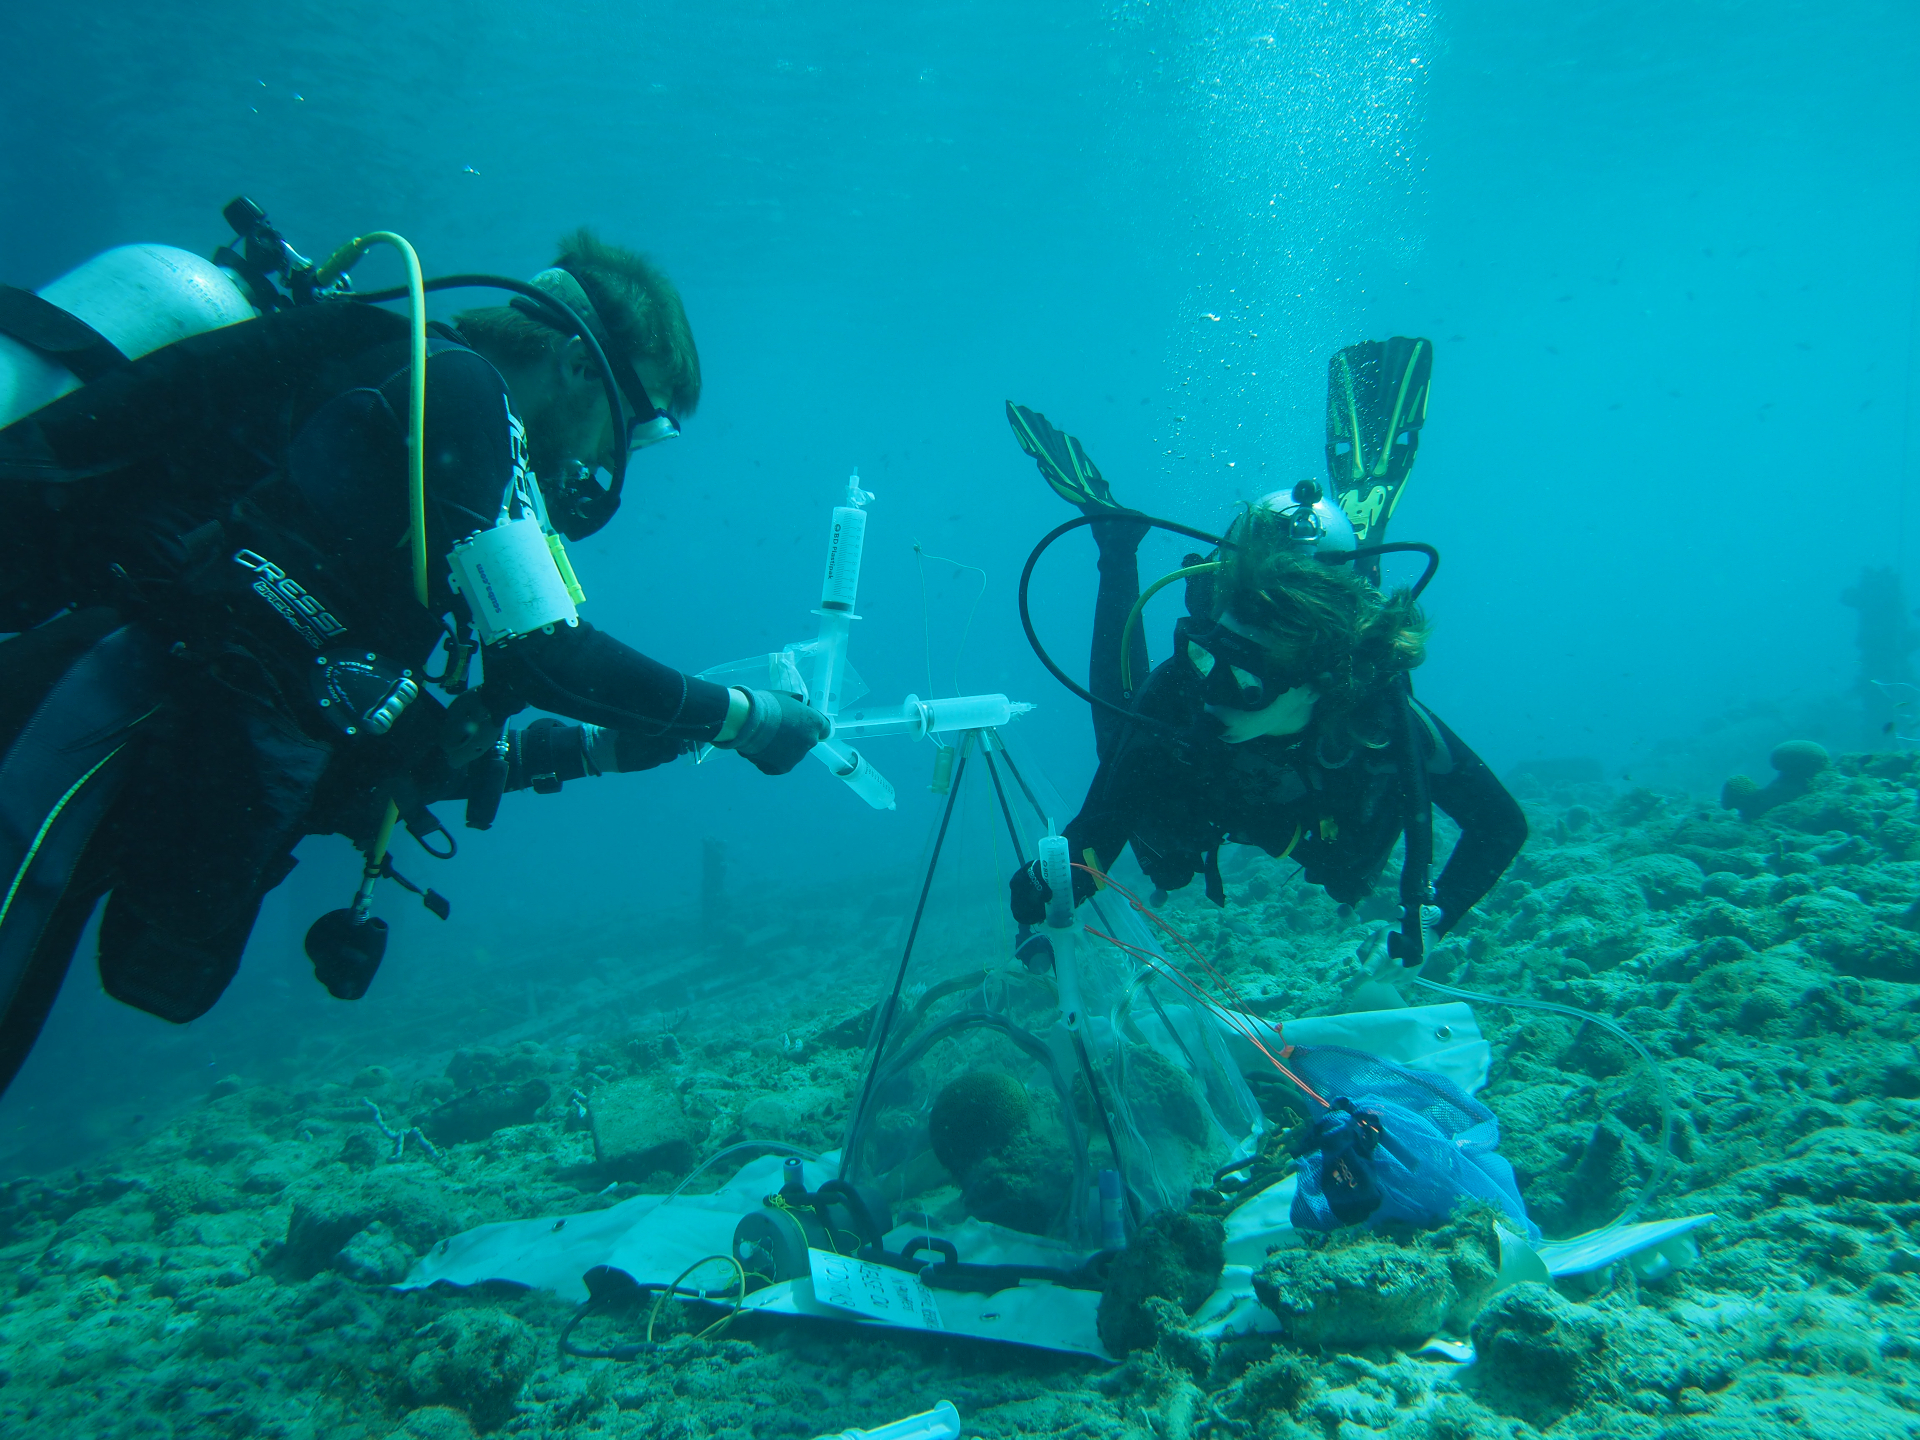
(1330, 624)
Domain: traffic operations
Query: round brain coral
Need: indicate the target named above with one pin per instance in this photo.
(1800, 759)
(978, 1115)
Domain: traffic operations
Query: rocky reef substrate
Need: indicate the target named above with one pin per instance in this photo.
(227, 1276)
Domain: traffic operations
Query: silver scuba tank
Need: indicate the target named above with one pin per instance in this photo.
(137, 298)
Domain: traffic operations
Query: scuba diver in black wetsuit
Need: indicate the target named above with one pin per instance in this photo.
(217, 575)
(1284, 718)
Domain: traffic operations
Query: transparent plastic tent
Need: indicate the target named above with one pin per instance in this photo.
(981, 1094)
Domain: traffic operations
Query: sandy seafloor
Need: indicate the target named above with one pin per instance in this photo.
(222, 1277)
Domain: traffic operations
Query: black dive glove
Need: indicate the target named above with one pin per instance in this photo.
(778, 731)
(1030, 894)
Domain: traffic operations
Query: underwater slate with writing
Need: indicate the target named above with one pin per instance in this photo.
(878, 1291)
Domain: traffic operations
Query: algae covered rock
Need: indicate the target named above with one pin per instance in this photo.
(478, 1113)
(1666, 880)
(328, 1214)
(376, 1256)
(475, 1360)
(189, 1191)
(1364, 1288)
(1795, 764)
(1538, 1355)
(434, 1422)
(1177, 1255)
(787, 1114)
(1023, 1186)
(1369, 1291)
(641, 1126)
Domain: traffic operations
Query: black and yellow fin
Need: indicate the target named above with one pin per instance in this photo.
(1376, 404)
(1063, 461)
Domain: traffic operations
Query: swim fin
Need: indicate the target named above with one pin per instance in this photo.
(1063, 461)
(1376, 404)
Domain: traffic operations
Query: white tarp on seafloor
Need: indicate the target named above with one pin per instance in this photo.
(654, 1241)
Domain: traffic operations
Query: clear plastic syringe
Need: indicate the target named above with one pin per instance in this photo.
(838, 589)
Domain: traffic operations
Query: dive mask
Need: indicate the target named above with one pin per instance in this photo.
(1314, 520)
(1236, 671)
(643, 431)
(578, 503)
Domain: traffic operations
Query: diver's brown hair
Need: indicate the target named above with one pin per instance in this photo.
(638, 304)
(1332, 627)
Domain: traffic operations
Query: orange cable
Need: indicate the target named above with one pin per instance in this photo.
(1141, 908)
(1234, 1017)
(1234, 1020)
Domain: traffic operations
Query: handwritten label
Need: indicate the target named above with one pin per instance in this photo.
(877, 1291)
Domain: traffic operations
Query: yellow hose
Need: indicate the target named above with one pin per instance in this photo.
(341, 261)
(1133, 616)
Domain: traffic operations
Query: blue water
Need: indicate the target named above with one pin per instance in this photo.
(1669, 256)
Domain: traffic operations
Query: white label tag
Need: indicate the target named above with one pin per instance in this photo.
(877, 1291)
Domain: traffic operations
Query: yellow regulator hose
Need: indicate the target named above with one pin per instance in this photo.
(1133, 616)
(341, 261)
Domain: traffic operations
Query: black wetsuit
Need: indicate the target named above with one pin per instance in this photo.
(145, 502)
(1337, 813)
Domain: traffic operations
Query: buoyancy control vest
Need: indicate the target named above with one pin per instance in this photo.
(159, 492)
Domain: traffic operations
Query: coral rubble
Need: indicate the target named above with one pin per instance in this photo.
(226, 1275)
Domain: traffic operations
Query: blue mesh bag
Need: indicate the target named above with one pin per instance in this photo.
(1395, 1145)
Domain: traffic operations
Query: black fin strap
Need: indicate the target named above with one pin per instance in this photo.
(432, 899)
(64, 339)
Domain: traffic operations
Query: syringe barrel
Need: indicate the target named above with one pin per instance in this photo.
(1056, 869)
(844, 544)
(851, 766)
(968, 712)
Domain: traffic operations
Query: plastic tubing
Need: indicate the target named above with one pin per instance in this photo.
(341, 261)
(1665, 1164)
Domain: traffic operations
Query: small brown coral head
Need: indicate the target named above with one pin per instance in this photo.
(978, 1115)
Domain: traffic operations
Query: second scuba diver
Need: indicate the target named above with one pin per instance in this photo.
(1284, 718)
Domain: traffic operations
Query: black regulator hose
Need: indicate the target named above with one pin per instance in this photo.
(1339, 557)
(1393, 547)
(1033, 637)
(571, 324)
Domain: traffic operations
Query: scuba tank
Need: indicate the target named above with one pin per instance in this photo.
(120, 305)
